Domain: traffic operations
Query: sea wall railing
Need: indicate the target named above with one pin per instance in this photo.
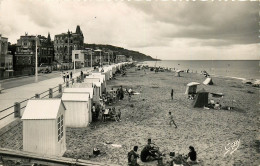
(18, 108)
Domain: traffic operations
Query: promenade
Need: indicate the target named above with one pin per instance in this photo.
(18, 94)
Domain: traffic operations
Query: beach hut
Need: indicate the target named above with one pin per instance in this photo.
(77, 113)
(96, 93)
(191, 88)
(201, 99)
(89, 91)
(97, 82)
(177, 73)
(98, 75)
(256, 83)
(208, 81)
(247, 81)
(43, 127)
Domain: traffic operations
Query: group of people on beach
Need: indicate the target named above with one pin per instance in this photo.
(66, 76)
(151, 152)
(102, 113)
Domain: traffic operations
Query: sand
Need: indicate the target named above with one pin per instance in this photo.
(146, 116)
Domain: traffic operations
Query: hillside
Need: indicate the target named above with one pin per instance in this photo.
(137, 56)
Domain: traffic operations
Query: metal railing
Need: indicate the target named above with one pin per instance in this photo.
(52, 92)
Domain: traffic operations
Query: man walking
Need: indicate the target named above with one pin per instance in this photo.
(172, 120)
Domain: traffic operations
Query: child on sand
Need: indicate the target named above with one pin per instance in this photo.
(172, 120)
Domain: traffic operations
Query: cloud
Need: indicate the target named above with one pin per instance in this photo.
(164, 29)
(230, 22)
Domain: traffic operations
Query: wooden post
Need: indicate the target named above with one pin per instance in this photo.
(37, 96)
(17, 110)
(50, 93)
(60, 88)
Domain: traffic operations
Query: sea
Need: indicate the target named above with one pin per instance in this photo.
(238, 69)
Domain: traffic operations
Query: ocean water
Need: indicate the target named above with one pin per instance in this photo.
(240, 69)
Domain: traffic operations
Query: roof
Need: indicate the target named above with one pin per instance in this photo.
(100, 76)
(42, 109)
(98, 84)
(202, 91)
(80, 90)
(193, 83)
(93, 79)
(75, 97)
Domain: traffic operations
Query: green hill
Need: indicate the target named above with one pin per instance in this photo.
(137, 56)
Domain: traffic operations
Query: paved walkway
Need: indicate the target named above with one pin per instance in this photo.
(9, 96)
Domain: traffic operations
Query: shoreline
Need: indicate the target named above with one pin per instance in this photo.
(198, 68)
(221, 76)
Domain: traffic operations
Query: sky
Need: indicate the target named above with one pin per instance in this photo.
(167, 30)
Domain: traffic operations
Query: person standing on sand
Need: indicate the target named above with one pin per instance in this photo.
(172, 94)
(172, 120)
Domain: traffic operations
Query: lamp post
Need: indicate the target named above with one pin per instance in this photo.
(91, 58)
(99, 56)
(36, 60)
(69, 47)
(74, 61)
(107, 57)
(90, 49)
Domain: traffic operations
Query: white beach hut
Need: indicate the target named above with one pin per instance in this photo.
(192, 88)
(90, 84)
(89, 91)
(77, 113)
(97, 82)
(43, 127)
(102, 79)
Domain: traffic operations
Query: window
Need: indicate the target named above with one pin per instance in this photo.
(76, 56)
(60, 127)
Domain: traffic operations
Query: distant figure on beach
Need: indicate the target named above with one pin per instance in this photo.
(71, 75)
(119, 114)
(64, 76)
(121, 92)
(130, 92)
(172, 94)
(132, 157)
(192, 155)
(172, 120)
(150, 153)
(97, 109)
(93, 112)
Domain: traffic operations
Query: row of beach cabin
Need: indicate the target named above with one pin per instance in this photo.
(45, 120)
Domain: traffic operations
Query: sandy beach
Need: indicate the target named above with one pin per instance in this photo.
(146, 116)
